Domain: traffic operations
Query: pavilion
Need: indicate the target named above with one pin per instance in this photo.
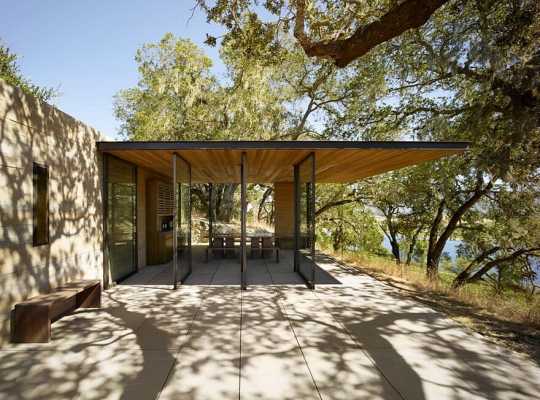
(137, 174)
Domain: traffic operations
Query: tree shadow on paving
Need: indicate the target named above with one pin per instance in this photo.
(518, 336)
(124, 350)
(419, 349)
(209, 361)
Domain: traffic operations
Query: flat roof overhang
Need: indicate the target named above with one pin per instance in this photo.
(273, 161)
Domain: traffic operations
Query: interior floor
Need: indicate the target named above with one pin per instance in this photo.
(226, 271)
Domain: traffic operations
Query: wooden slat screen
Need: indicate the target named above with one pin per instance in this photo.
(165, 199)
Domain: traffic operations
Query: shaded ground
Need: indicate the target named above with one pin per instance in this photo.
(352, 338)
(513, 335)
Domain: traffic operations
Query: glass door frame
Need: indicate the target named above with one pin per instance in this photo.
(310, 220)
(107, 276)
(175, 173)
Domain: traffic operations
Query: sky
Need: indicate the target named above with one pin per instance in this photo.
(87, 48)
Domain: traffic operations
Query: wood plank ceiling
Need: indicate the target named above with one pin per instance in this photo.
(268, 165)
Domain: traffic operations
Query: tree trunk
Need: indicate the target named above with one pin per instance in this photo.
(391, 234)
(395, 250)
(412, 245)
(225, 201)
(479, 274)
(265, 196)
(462, 277)
(436, 245)
(489, 265)
(433, 255)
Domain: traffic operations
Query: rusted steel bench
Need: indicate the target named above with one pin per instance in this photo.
(32, 318)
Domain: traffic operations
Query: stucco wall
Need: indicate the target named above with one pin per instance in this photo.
(284, 213)
(34, 131)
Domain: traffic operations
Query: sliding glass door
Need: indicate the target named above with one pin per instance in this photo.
(182, 258)
(304, 249)
(121, 198)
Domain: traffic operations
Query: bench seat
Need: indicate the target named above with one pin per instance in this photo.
(88, 293)
(32, 318)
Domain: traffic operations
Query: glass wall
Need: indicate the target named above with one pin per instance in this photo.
(304, 255)
(121, 192)
(182, 222)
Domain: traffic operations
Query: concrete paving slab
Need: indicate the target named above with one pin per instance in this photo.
(200, 279)
(288, 278)
(359, 338)
(95, 373)
(340, 368)
(272, 366)
(209, 362)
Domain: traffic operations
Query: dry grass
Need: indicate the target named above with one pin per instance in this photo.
(514, 306)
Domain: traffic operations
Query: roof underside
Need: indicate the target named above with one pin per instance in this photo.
(268, 162)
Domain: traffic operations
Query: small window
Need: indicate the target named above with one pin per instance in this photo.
(40, 181)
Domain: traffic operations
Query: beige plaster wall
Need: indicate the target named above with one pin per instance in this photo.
(34, 131)
(284, 213)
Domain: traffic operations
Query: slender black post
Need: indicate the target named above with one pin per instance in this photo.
(175, 222)
(312, 219)
(243, 218)
(210, 214)
(190, 254)
(296, 218)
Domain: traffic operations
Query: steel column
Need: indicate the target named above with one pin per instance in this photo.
(311, 219)
(210, 214)
(243, 220)
(175, 222)
(190, 255)
(296, 262)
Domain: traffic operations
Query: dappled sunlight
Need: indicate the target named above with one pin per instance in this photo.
(214, 341)
(30, 131)
(208, 364)
(338, 365)
(272, 364)
(412, 343)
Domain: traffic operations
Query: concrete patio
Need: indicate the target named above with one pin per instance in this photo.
(351, 338)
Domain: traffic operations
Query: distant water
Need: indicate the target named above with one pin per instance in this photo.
(451, 249)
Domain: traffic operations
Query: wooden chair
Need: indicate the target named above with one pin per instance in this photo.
(229, 247)
(255, 247)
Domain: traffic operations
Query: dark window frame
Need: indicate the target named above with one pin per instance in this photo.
(38, 168)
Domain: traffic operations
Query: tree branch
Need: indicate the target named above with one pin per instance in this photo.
(406, 15)
(485, 269)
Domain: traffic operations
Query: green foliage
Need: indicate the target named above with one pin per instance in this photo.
(10, 72)
(471, 73)
(349, 226)
(176, 95)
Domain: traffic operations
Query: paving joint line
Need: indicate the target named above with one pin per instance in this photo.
(175, 357)
(348, 332)
(284, 311)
